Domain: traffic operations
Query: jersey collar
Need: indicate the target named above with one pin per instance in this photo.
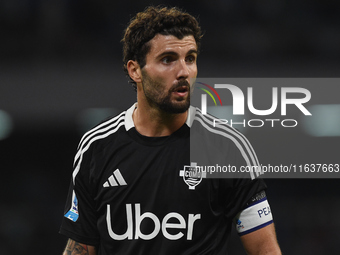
(129, 121)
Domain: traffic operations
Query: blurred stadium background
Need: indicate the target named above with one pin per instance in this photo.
(61, 72)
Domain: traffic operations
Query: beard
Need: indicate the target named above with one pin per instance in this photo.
(158, 97)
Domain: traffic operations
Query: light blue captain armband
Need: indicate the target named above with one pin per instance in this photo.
(257, 215)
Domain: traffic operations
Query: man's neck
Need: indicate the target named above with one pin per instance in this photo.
(156, 123)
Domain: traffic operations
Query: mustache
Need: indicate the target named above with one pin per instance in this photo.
(181, 84)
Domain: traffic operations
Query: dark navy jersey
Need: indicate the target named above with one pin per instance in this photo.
(132, 194)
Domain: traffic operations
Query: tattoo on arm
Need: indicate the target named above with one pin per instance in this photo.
(75, 248)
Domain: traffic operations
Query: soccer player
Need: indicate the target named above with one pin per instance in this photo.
(135, 188)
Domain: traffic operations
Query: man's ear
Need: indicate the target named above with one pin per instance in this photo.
(134, 71)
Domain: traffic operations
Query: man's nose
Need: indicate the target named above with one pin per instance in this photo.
(183, 70)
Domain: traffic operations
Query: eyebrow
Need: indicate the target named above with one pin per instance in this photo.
(192, 51)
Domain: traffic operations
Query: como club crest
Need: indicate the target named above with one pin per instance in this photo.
(192, 175)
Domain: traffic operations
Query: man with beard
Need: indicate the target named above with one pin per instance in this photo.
(134, 188)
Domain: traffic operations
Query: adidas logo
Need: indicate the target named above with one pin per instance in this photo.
(116, 179)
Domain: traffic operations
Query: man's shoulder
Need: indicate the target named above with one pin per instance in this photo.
(112, 125)
(212, 125)
(215, 133)
(107, 128)
(211, 136)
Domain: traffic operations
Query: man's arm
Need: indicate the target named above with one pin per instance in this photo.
(75, 248)
(262, 241)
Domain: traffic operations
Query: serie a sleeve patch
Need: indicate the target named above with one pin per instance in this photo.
(257, 215)
(73, 213)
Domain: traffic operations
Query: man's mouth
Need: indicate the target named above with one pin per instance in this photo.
(181, 90)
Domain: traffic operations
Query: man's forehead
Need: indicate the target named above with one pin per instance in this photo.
(166, 42)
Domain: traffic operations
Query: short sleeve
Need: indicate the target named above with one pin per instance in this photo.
(80, 221)
(235, 199)
(244, 183)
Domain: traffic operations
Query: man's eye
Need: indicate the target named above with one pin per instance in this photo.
(191, 59)
(166, 60)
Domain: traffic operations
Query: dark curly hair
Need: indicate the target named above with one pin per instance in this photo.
(147, 24)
